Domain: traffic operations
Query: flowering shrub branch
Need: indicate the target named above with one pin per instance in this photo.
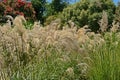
(14, 8)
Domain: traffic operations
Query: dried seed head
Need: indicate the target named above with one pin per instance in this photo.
(70, 72)
(115, 26)
(104, 22)
(18, 24)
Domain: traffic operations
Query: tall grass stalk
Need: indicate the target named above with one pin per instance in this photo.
(106, 60)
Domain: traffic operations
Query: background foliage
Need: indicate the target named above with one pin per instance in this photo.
(84, 12)
(39, 6)
(89, 12)
(15, 8)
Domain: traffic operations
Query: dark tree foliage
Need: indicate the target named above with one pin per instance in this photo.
(39, 6)
(117, 12)
(58, 5)
(53, 9)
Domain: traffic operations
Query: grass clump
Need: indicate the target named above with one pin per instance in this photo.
(51, 53)
(105, 60)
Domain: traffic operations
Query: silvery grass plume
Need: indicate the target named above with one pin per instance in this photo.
(1, 62)
(9, 20)
(36, 25)
(104, 22)
(21, 43)
(70, 72)
(11, 40)
(55, 24)
(70, 38)
(115, 26)
(18, 24)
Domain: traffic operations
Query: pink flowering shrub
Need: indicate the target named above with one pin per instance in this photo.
(17, 7)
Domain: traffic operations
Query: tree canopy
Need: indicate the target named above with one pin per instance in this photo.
(88, 12)
(83, 12)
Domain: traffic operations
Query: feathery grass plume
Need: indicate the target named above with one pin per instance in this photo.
(81, 31)
(71, 24)
(2, 63)
(66, 38)
(49, 40)
(65, 58)
(9, 17)
(70, 27)
(19, 27)
(103, 22)
(55, 25)
(21, 47)
(8, 24)
(18, 24)
(26, 38)
(9, 20)
(56, 35)
(83, 68)
(70, 73)
(69, 44)
(81, 36)
(115, 26)
(5, 29)
(36, 25)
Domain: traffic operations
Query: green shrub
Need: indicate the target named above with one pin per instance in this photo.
(88, 12)
(50, 19)
(117, 12)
